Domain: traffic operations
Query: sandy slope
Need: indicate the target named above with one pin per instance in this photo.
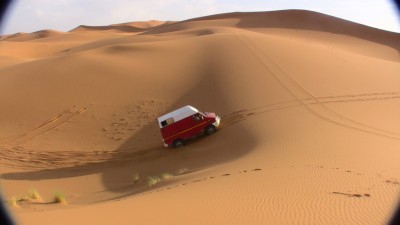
(310, 129)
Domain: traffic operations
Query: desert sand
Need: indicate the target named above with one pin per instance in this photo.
(310, 129)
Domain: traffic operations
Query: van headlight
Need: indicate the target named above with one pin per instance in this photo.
(217, 121)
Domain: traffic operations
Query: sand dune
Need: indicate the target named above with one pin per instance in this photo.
(309, 135)
(297, 20)
(22, 37)
(134, 27)
(145, 24)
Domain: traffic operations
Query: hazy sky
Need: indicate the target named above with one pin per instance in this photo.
(64, 15)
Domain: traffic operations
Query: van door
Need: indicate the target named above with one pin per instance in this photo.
(198, 123)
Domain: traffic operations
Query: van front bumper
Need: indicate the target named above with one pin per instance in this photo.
(217, 121)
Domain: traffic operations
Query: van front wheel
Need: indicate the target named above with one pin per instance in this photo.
(178, 143)
(210, 129)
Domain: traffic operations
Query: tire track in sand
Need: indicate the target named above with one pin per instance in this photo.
(13, 154)
(27, 159)
(240, 115)
(296, 90)
(46, 126)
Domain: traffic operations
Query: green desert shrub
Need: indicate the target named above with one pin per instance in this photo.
(33, 194)
(59, 197)
(13, 202)
(182, 171)
(153, 180)
(135, 177)
(166, 176)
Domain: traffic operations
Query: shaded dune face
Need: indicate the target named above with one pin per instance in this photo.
(143, 150)
(309, 131)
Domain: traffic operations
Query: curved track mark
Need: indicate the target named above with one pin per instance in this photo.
(292, 86)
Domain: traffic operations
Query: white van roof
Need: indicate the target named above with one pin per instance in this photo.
(178, 114)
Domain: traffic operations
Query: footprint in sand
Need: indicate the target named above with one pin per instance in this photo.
(211, 177)
(352, 195)
(392, 181)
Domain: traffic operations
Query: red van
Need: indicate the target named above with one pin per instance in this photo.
(184, 123)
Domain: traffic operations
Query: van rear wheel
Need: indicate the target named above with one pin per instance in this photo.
(178, 143)
(210, 129)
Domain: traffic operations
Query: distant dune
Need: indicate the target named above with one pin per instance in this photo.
(124, 27)
(145, 24)
(309, 134)
(32, 36)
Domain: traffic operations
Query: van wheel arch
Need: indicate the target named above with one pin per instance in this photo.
(210, 129)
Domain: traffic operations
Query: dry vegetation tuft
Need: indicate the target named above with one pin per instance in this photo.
(59, 198)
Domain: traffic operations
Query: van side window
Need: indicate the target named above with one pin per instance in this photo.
(197, 117)
(167, 122)
(170, 121)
